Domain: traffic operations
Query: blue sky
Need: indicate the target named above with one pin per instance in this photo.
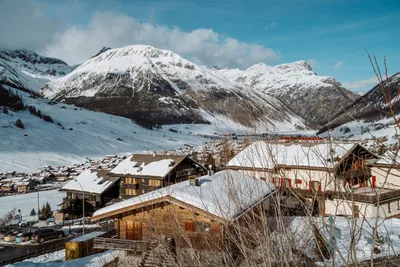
(330, 34)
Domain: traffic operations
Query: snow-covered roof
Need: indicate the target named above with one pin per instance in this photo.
(23, 183)
(92, 181)
(147, 165)
(226, 194)
(267, 155)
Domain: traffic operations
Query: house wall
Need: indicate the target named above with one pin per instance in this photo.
(345, 207)
(393, 177)
(170, 221)
(145, 184)
(299, 178)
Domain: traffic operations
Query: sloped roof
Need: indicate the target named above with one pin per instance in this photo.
(267, 156)
(147, 165)
(92, 181)
(226, 194)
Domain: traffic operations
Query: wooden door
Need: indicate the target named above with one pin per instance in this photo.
(129, 230)
(137, 231)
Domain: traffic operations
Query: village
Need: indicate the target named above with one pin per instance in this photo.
(164, 206)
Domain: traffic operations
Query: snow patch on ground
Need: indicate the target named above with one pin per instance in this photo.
(57, 259)
(27, 202)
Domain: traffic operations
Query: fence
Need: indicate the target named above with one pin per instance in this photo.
(29, 255)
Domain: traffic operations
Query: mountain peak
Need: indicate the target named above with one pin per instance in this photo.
(29, 56)
(104, 49)
(295, 66)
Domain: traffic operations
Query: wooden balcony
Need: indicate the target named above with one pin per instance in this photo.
(123, 244)
(382, 197)
(359, 173)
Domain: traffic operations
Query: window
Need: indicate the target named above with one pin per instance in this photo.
(203, 227)
(189, 226)
(131, 181)
(155, 182)
(131, 192)
(199, 227)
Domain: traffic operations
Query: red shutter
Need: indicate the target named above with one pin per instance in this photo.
(189, 226)
(310, 185)
(273, 180)
(319, 186)
(373, 185)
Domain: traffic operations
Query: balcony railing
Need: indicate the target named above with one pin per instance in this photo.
(359, 173)
(123, 244)
(358, 197)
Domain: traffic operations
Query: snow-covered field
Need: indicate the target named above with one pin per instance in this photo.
(94, 135)
(58, 259)
(27, 202)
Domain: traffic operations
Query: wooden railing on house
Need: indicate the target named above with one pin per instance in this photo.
(358, 197)
(123, 244)
(350, 174)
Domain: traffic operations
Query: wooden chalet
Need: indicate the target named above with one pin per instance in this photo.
(7, 188)
(196, 214)
(142, 173)
(97, 186)
(23, 186)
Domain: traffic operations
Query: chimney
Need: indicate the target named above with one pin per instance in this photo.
(194, 182)
(154, 154)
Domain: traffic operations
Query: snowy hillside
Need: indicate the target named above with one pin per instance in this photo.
(372, 108)
(92, 134)
(313, 97)
(28, 70)
(154, 86)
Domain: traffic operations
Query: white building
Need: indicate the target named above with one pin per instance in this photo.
(327, 175)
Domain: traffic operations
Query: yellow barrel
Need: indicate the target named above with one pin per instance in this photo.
(73, 250)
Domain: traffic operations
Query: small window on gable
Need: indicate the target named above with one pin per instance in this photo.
(207, 227)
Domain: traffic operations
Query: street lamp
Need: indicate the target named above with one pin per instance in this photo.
(83, 206)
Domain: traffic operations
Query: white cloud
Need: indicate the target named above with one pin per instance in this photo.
(362, 84)
(270, 26)
(312, 62)
(337, 65)
(78, 43)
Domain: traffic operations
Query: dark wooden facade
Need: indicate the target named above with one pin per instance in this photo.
(72, 206)
(135, 184)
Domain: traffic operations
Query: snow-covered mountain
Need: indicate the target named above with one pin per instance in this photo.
(372, 110)
(154, 86)
(27, 70)
(313, 97)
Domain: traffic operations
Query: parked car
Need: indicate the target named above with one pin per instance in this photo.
(10, 236)
(2, 249)
(23, 237)
(45, 234)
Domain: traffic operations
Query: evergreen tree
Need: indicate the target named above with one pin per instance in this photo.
(33, 212)
(46, 212)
